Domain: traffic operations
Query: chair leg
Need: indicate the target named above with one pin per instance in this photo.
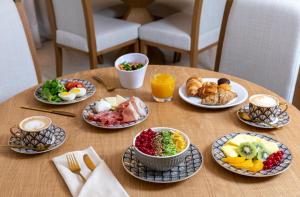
(100, 59)
(137, 47)
(59, 60)
(93, 60)
(144, 48)
(176, 57)
(194, 58)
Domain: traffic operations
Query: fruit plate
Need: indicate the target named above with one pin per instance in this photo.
(237, 88)
(90, 91)
(90, 109)
(218, 155)
(185, 170)
(282, 121)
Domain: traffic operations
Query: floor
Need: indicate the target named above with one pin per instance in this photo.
(76, 62)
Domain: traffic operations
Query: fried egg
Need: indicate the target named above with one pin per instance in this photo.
(67, 96)
(79, 92)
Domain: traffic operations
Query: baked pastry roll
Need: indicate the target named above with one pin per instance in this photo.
(193, 84)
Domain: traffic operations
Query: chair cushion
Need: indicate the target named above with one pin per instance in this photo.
(175, 30)
(109, 32)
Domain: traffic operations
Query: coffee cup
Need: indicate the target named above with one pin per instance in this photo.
(265, 108)
(35, 131)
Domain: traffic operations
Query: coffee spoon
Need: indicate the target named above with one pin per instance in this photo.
(246, 117)
(46, 147)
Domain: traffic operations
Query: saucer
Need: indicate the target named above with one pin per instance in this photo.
(191, 166)
(283, 119)
(58, 139)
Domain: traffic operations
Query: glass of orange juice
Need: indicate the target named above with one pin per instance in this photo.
(162, 86)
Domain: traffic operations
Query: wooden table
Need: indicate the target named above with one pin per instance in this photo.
(23, 175)
(138, 11)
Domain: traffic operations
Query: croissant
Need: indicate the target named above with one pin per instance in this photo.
(208, 88)
(193, 84)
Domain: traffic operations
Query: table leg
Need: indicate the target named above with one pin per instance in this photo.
(138, 15)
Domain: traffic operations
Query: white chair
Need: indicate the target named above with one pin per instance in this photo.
(17, 53)
(75, 26)
(260, 42)
(186, 32)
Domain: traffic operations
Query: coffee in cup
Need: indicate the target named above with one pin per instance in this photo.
(35, 131)
(265, 108)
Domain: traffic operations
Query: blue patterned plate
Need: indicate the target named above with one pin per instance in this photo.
(190, 167)
(90, 91)
(90, 109)
(283, 120)
(58, 140)
(218, 154)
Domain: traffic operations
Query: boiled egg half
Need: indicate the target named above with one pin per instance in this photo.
(67, 96)
(79, 92)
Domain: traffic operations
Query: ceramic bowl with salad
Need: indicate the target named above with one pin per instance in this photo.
(131, 69)
(64, 91)
(161, 148)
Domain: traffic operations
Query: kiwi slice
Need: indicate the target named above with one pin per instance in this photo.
(263, 155)
(259, 146)
(247, 150)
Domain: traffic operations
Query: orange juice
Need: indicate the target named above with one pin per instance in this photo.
(163, 86)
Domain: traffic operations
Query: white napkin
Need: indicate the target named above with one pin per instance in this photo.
(100, 182)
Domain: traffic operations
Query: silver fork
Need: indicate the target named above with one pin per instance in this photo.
(74, 165)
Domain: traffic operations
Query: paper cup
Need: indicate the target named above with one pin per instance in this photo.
(132, 79)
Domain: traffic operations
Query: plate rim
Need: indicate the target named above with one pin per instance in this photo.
(251, 175)
(166, 182)
(183, 97)
(260, 126)
(114, 127)
(40, 152)
(68, 102)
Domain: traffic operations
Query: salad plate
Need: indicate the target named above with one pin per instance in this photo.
(117, 113)
(185, 170)
(235, 88)
(58, 139)
(283, 119)
(58, 92)
(251, 154)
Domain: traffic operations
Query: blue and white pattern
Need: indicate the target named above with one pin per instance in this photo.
(283, 119)
(218, 154)
(90, 91)
(191, 166)
(58, 139)
(90, 109)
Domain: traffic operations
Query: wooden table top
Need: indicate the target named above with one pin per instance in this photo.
(23, 175)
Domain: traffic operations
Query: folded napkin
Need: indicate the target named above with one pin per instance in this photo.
(100, 182)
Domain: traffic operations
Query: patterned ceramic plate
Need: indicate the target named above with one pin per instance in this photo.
(58, 140)
(283, 120)
(218, 154)
(90, 91)
(90, 109)
(192, 165)
(237, 88)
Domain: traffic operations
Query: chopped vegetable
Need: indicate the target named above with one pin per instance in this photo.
(51, 89)
(130, 66)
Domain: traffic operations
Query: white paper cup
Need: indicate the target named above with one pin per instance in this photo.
(132, 79)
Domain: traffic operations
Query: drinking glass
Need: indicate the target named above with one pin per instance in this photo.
(162, 86)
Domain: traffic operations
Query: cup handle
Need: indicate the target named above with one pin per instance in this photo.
(13, 131)
(285, 105)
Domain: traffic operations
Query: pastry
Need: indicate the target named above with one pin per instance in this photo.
(225, 96)
(207, 89)
(193, 84)
(225, 86)
(223, 81)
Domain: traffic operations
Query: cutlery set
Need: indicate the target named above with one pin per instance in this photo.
(74, 166)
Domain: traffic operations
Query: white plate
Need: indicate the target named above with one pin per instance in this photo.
(242, 95)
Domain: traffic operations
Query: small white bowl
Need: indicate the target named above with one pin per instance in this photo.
(162, 163)
(132, 79)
